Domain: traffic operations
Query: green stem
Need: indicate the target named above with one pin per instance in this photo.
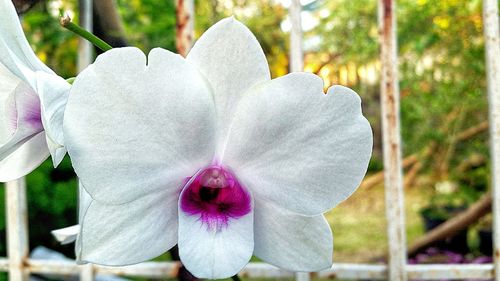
(66, 22)
(236, 278)
(71, 80)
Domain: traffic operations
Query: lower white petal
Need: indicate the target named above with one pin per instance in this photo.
(130, 233)
(21, 118)
(24, 159)
(215, 252)
(292, 241)
(27, 149)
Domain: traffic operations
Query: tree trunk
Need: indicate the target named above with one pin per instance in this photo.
(374, 179)
(108, 24)
(453, 225)
(184, 30)
(22, 6)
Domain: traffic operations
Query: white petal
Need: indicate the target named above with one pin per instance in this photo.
(24, 156)
(8, 84)
(66, 235)
(291, 241)
(130, 233)
(24, 147)
(215, 253)
(15, 51)
(53, 91)
(56, 151)
(24, 159)
(132, 130)
(84, 200)
(21, 119)
(230, 57)
(298, 148)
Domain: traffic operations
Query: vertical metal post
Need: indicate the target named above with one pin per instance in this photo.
(17, 229)
(302, 276)
(394, 197)
(87, 272)
(184, 31)
(85, 48)
(85, 58)
(296, 52)
(296, 64)
(491, 35)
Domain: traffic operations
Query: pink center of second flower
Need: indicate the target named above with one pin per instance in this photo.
(23, 106)
(216, 196)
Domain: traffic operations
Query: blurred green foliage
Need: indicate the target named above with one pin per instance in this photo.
(442, 79)
(263, 18)
(149, 24)
(442, 75)
(52, 202)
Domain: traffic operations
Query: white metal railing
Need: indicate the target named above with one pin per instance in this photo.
(19, 266)
(393, 176)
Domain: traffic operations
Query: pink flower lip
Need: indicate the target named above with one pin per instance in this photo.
(216, 196)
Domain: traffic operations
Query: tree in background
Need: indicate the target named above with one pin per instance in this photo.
(263, 17)
(441, 71)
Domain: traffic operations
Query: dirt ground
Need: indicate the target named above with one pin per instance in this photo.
(359, 224)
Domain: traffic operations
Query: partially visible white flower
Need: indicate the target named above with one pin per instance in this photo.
(211, 154)
(32, 100)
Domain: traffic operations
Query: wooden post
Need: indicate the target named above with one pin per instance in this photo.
(17, 229)
(85, 48)
(184, 31)
(394, 197)
(491, 35)
(296, 52)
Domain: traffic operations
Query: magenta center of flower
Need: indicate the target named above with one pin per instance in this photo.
(216, 196)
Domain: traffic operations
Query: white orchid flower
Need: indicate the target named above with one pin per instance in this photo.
(211, 154)
(32, 99)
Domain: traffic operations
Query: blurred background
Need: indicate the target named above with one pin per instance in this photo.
(443, 107)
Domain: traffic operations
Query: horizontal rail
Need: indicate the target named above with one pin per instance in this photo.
(450, 271)
(264, 270)
(4, 264)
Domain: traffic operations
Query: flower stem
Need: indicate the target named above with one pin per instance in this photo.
(66, 22)
(71, 80)
(236, 278)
